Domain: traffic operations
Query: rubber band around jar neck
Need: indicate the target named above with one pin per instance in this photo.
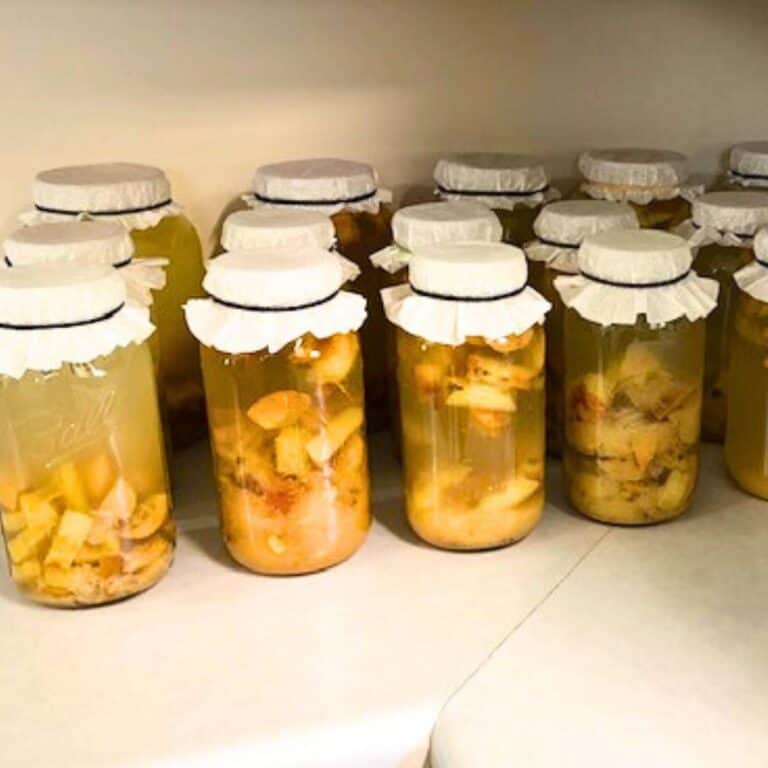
(488, 193)
(619, 284)
(339, 201)
(119, 265)
(121, 212)
(257, 308)
(451, 297)
(748, 176)
(722, 231)
(555, 244)
(57, 326)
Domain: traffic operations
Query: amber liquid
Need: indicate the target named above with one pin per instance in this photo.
(632, 418)
(746, 442)
(473, 438)
(658, 214)
(517, 224)
(180, 381)
(84, 491)
(290, 457)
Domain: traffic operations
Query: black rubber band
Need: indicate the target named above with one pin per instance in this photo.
(722, 231)
(617, 284)
(339, 201)
(294, 308)
(119, 265)
(748, 175)
(555, 244)
(761, 262)
(54, 326)
(452, 297)
(488, 193)
(122, 212)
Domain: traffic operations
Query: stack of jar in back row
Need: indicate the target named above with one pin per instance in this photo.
(626, 362)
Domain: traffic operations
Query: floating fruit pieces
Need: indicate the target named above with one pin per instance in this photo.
(632, 435)
(473, 438)
(291, 466)
(77, 540)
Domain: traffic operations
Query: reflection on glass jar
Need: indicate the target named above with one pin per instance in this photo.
(632, 418)
(473, 438)
(288, 439)
(86, 511)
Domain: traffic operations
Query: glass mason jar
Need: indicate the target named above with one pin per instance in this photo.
(560, 229)
(721, 230)
(747, 167)
(651, 181)
(140, 197)
(513, 186)
(746, 441)
(348, 192)
(287, 426)
(86, 509)
(633, 380)
(472, 408)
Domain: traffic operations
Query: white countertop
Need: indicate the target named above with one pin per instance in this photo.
(653, 652)
(216, 666)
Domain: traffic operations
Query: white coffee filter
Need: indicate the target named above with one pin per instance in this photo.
(748, 163)
(56, 314)
(728, 218)
(79, 242)
(628, 273)
(328, 185)
(562, 226)
(457, 290)
(496, 180)
(753, 278)
(139, 196)
(269, 297)
(428, 223)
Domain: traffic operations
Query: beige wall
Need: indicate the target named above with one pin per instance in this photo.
(208, 90)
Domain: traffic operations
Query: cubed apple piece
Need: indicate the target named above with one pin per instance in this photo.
(26, 573)
(499, 373)
(337, 356)
(322, 447)
(69, 537)
(9, 494)
(481, 396)
(13, 522)
(141, 554)
(675, 490)
(40, 524)
(514, 492)
(351, 456)
(279, 409)
(119, 504)
(72, 487)
(512, 342)
(98, 473)
(290, 451)
(148, 517)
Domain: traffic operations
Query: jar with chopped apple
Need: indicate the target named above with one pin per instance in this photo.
(514, 187)
(470, 368)
(139, 197)
(634, 368)
(284, 387)
(414, 227)
(86, 511)
(720, 231)
(349, 193)
(746, 437)
(653, 181)
(560, 229)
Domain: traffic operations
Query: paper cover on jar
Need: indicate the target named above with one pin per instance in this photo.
(54, 314)
(753, 278)
(75, 242)
(626, 274)
(265, 299)
(429, 223)
(138, 196)
(496, 180)
(328, 185)
(457, 290)
(748, 164)
(637, 176)
(728, 218)
(562, 226)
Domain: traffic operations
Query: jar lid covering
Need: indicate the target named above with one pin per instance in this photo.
(56, 314)
(416, 226)
(739, 213)
(748, 163)
(496, 180)
(753, 277)
(562, 226)
(275, 227)
(628, 273)
(457, 290)
(268, 297)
